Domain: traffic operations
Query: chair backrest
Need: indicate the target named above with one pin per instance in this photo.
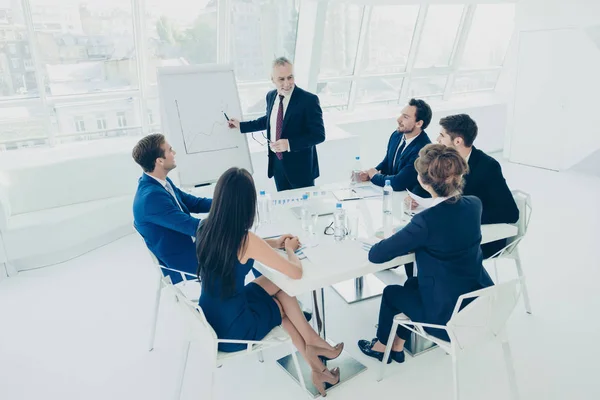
(197, 327)
(486, 316)
(523, 201)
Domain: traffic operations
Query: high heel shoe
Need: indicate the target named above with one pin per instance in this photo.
(326, 354)
(321, 378)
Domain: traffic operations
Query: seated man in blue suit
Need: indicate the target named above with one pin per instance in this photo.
(294, 125)
(161, 211)
(403, 149)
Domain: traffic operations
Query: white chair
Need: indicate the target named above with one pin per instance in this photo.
(481, 321)
(164, 281)
(199, 330)
(511, 250)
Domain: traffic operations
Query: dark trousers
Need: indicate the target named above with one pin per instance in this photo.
(398, 299)
(281, 180)
(405, 299)
(410, 269)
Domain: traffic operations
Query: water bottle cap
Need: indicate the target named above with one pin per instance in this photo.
(262, 192)
(304, 196)
(387, 182)
(357, 157)
(338, 205)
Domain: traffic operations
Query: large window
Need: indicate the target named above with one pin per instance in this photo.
(83, 46)
(489, 36)
(16, 81)
(340, 40)
(180, 32)
(388, 39)
(439, 35)
(85, 73)
(260, 31)
(389, 53)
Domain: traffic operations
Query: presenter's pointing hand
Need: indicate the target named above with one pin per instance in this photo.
(234, 123)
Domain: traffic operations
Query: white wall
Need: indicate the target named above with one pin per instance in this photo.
(576, 81)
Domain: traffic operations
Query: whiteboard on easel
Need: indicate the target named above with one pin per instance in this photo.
(193, 102)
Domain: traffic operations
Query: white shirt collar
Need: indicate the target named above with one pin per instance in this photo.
(439, 200)
(409, 141)
(469, 155)
(162, 182)
(286, 97)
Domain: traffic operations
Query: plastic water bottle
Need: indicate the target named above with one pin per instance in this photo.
(304, 215)
(264, 207)
(339, 222)
(356, 170)
(387, 209)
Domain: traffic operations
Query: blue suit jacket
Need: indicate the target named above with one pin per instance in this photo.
(485, 180)
(404, 175)
(445, 239)
(166, 229)
(302, 127)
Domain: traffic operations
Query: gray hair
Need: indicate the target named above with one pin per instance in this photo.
(281, 61)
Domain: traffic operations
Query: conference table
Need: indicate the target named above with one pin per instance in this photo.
(327, 262)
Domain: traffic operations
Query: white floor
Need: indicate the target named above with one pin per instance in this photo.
(79, 330)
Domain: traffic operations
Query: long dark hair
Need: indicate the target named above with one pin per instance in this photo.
(223, 235)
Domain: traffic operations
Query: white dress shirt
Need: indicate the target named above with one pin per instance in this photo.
(275, 110)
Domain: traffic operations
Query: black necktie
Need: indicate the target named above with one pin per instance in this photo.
(398, 154)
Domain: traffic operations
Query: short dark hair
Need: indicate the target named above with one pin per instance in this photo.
(147, 150)
(423, 111)
(442, 168)
(460, 125)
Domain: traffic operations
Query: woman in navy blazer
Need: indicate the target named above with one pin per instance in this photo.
(446, 241)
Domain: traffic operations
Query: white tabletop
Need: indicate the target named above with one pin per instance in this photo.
(340, 261)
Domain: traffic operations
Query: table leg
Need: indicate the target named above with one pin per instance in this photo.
(355, 290)
(349, 367)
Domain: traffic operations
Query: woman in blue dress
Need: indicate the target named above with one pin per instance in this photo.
(226, 252)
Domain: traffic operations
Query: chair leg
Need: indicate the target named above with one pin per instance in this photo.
(523, 283)
(510, 369)
(297, 366)
(182, 368)
(155, 319)
(261, 357)
(388, 350)
(496, 271)
(455, 374)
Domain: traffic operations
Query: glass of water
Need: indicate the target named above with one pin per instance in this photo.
(352, 220)
(313, 219)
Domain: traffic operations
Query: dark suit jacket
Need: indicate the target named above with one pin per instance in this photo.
(445, 239)
(166, 229)
(485, 180)
(302, 127)
(404, 176)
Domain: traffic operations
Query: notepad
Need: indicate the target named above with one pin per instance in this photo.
(357, 193)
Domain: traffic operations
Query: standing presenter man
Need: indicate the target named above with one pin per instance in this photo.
(294, 125)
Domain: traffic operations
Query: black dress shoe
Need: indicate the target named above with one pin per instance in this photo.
(367, 348)
(307, 315)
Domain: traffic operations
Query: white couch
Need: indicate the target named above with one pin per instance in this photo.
(55, 211)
